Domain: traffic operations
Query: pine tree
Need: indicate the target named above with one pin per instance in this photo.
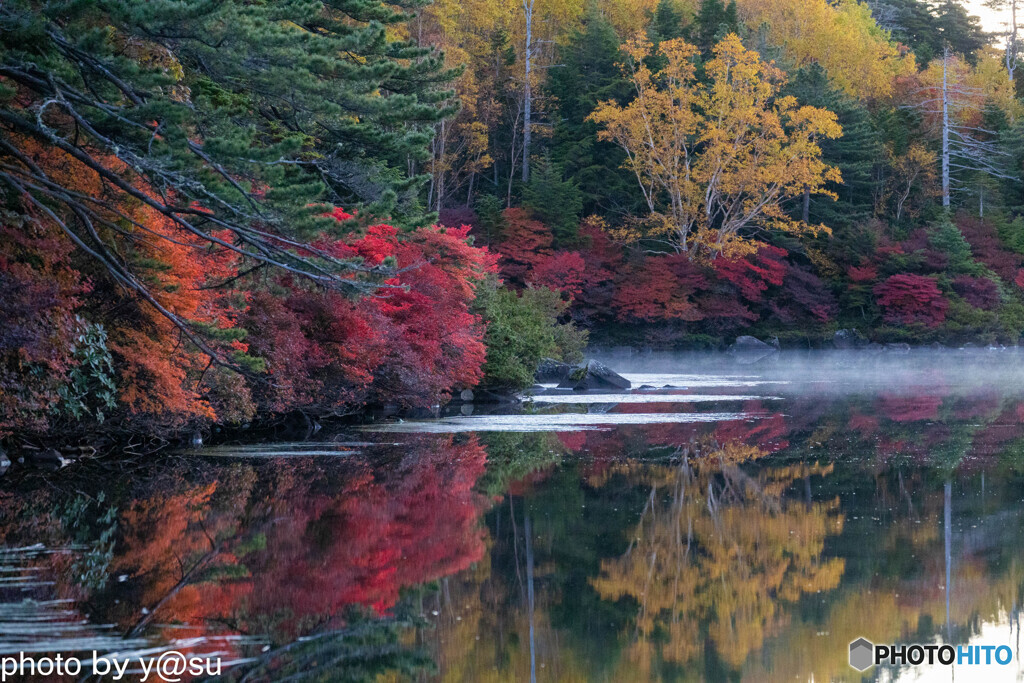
(235, 121)
(589, 73)
(1012, 140)
(855, 154)
(490, 219)
(947, 238)
(959, 30)
(554, 201)
(927, 28)
(667, 22)
(713, 22)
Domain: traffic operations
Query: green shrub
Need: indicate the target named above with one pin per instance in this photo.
(522, 329)
(944, 236)
(555, 202)
(490, 219)
(90, 387)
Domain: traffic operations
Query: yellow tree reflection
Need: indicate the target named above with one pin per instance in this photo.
(715, 555)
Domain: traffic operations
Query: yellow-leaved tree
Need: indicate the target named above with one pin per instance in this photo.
(716, 158)
(840, 35)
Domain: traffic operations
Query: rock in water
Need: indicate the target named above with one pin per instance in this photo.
(466, 395)
(594, 375)
(551, 370)
(849, 339)
(748, 343)
(749, 350)
(49, 459)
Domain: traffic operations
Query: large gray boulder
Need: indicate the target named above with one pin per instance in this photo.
(594, 375)
(552, 371)
(746, 343)
(749, 349)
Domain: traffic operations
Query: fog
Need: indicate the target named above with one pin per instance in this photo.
(830, 372)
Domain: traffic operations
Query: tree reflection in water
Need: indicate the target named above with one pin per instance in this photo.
(749, 549)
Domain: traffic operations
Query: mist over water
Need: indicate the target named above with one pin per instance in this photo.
(729, 517)
(834, 372)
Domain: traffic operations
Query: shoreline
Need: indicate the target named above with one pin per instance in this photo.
(845, 367)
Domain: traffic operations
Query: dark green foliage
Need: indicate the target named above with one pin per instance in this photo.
(947, 238)
(90, 389)
(589, 73)
(522, 330)
(554, 201)
(1012, 141)
(490, 217)
(714, 21)
(1011, 233)
(513, 456)
(255, 111)
(313, 73)
(668, 21)
(959, 30)
(497, 68)
(928, 27)
(857, 154)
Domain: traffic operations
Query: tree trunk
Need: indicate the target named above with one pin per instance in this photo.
(947, 529)
(527, 90)
(440, 174)
(807, 204)
(945, 130)
(1011, 43)
(528, 532)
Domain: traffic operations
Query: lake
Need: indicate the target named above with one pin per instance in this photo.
(721, 521)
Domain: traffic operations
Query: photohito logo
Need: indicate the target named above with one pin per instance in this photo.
(864, 654)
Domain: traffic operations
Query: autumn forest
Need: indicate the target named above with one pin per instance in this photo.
(213, 212)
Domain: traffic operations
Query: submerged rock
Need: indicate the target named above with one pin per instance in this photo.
(594, 375)
(49, 459)
(552, 371)
(748, 350)
(502, 397)
(849, 339)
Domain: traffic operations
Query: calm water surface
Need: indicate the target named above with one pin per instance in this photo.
(722, 521)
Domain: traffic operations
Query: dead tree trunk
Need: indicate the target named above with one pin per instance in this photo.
(528, 6)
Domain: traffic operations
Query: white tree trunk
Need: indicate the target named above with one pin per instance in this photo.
(440, 174)
(1012, 48)
(527, 89)
(945, 130)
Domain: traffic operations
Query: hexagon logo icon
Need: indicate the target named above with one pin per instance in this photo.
(862, 654)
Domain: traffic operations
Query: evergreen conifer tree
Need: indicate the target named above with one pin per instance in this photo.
(714, 21)
(554, 201)
(237, 116)
(589, 73)
(856, 153)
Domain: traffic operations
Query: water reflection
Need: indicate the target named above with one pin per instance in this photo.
(754, 546)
